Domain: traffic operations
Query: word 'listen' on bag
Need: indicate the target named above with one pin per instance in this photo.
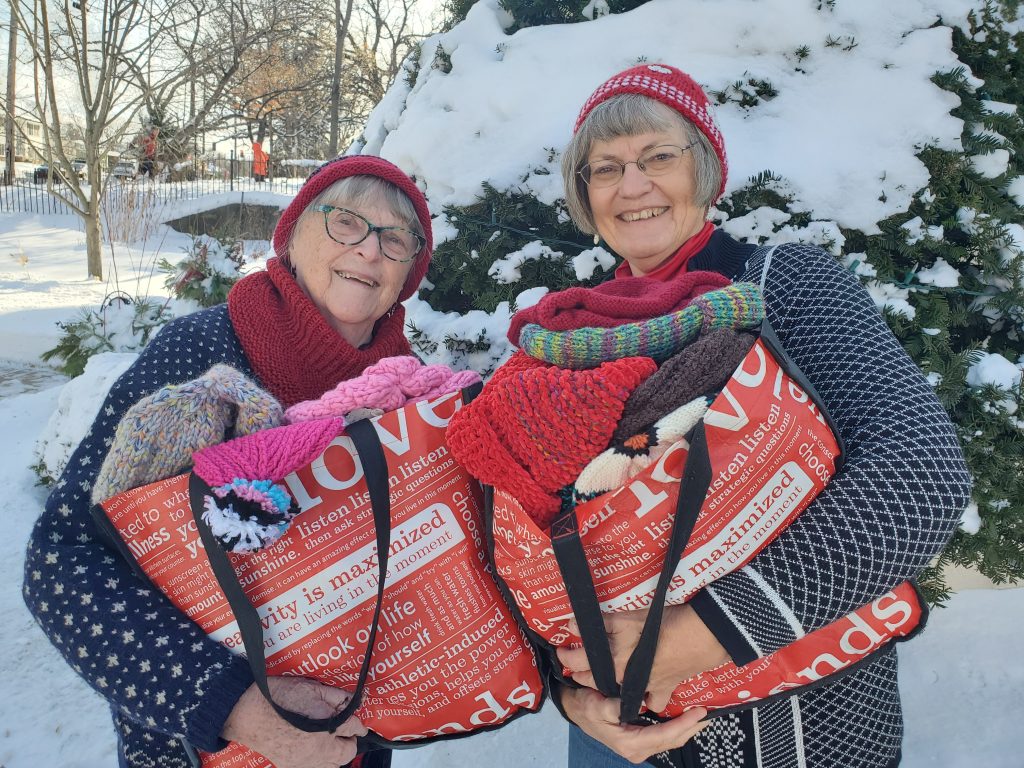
(760, 455)
(402, 614)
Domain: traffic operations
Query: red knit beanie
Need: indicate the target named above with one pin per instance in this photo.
(535, 427)
(673, 88)
(359, 165)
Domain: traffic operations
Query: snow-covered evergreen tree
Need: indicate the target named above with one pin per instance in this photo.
(887, 134)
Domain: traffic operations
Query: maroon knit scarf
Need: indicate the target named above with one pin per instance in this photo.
(616, 302)
(293, 350)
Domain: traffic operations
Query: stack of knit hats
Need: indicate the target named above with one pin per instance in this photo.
(584, 406)
(187, 424)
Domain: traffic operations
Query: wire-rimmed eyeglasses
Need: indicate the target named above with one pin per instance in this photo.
(350, 228)
(656, 161)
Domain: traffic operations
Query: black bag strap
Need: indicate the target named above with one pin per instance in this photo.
(579, 586)
(375, 470)
(582, 594)
(112, 539)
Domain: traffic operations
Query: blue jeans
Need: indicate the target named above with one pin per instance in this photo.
(585, 752)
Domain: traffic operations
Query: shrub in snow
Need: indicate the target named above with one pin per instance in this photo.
(868, 129)
(532, 13)
(495, 255)
(122, 324)
(207, 272)
(79, 402)
(472, 340)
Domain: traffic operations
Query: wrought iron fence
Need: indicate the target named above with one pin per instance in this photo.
(29, 197)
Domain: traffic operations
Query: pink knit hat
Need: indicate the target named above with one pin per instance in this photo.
(359, 165)
(673, 88)
(388, 384)
(248, 508)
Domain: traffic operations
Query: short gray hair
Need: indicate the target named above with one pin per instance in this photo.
(627, 115)
(358, 191)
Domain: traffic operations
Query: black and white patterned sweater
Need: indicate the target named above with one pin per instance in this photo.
(164, 679)
(881, 520)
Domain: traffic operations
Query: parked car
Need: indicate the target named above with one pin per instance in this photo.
(123, 169)
(79, 167)
(43, 172)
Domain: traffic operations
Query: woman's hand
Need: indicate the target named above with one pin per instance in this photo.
(686, 648)
(599, 718)
(255, 724)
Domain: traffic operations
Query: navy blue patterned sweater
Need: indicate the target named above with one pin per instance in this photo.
(880, 521)
(164, 679)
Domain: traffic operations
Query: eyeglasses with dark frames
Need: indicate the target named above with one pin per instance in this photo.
(350, 228)
(656, 161)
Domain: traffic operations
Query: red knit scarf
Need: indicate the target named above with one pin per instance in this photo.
(293, 350)
(675, 264)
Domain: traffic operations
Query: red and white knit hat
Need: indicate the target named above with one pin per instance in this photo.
(673, 88)
(359, 165)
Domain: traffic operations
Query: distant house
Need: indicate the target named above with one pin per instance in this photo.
(23, 153)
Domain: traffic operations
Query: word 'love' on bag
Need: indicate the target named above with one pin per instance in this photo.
(430, 650)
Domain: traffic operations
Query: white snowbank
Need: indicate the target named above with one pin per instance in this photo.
(843, 128)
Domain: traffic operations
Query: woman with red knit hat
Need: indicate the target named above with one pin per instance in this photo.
(645, 164)
(353, 244)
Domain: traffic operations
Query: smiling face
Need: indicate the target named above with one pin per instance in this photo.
(645, 219)
(353, 286)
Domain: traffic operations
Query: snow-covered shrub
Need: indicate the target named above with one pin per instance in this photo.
(122, 324)
(77, 405)
(891, 139)
(497, 252)
(532, 13)
(207, 272)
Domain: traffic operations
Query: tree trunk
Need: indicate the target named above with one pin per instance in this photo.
(12, 59)
(93, 229)
(340, 32)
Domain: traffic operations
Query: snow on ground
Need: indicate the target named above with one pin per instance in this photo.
(961, 679)
(842, 130)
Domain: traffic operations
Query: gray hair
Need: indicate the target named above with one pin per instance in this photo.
(357, 192)
(627, 115)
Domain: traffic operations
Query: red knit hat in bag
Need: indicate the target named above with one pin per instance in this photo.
(532, 431)
(359, 165)
(673, 88)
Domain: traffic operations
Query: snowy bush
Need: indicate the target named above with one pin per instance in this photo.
(888, 134)
(79, 402)
(207, 272)
(122, 324)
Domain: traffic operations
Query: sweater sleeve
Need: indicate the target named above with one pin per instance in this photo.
(119, 633)
(896, 501)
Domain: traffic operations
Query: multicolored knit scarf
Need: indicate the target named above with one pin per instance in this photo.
(623, 300)
(738, 306)
(293, 350)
